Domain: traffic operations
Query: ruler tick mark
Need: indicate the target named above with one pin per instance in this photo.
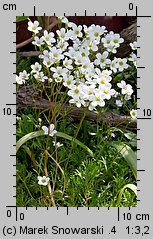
(34, 10)
(118, 214)
(67, 211)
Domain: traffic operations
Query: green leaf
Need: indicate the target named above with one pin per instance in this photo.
(118, 78)
(27, 137)
(29, 152)
(132, 137)
(130, 186)
(21, 18)
(33, 135)
(128, 154)
(66, 136)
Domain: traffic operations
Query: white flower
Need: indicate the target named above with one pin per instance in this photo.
(113, 135)
(113, 65)
(92, 45)
(36, 67)
(134, 45)
(49, 131)
(69, 81)
(117, 40)
(43, 180)
(102, 59)
(76, 32)
(34, 27)
(63, 19)
(119, 103)
(97, 100)
(76, 92)
(122, 84)
(56, 54)
(71, 53)
(19, 80)
(121, 64)
(103, 77)
(48, 61)
(94, 32)
(108, 40)
(40, 76)
(57, 144)
(133, 58)
(45, 54)
(63, 35)
(24, 75)
(112, 41)
(72, 25)
(86, 66)
(49, 37)
(133, 114)
(59, 71)
(103, 81)
(127, 97)
(68, 63)
(62, 45)
(38, 41)
(107, 73)
(126, 89)
(107, 91)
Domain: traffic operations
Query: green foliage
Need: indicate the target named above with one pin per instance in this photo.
(90, 181)
(128, 155)
(21, 18)
(99, 168)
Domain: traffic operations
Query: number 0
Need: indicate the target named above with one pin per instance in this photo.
(130, 6)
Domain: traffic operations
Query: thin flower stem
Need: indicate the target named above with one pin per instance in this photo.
(60, 170)
(76, 134)
(49, 186)
(56, 158)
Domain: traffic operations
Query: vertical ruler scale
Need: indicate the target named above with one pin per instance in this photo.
(76, 222)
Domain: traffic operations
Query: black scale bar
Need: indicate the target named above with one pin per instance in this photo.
(11, 104)
(144, 118)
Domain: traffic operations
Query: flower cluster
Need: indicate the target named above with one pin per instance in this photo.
(73, 59)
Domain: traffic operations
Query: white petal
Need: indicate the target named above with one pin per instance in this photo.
(45, 129)
(51, 127)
